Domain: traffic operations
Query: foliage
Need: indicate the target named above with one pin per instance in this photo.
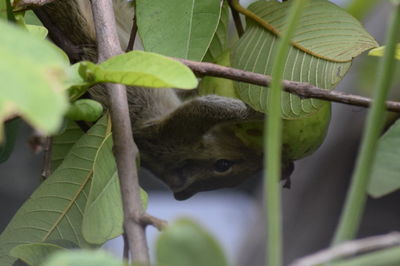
(385, 170)
(31, 79)
(79, 205)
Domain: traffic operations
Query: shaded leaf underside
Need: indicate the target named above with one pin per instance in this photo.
(55, 209)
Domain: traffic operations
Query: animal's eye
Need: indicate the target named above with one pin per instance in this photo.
(223, 165)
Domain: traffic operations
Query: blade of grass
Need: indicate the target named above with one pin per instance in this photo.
(272, 146)
(356, 197)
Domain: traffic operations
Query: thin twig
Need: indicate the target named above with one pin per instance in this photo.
(302, 89)
(126, 150)
(236, 19)
(132, 37)
(46, 171)
(349, 248)
(148, 219)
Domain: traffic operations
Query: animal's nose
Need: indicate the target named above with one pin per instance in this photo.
(176, 182)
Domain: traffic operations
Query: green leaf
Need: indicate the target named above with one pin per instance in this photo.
(385, 257)
(82, 258)
(32, 82)
(38, 31)
(103, 219)
(218, 86)
(380, 50)
(62, 143)
(55, 210)
(34, 254)
(31, 18)
(385, 176)
(360, 8)
(3, 9)
(85, 109)
(323, 46)
(77, 86)
(178, 28)
(138, 68)
(219, 42)
(11, 130)
(186, 243)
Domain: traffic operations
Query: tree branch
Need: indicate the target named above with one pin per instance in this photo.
(305, 90)
(236, 19)
(349, 248)
(132, 37)
(302, 89)
(126, 150)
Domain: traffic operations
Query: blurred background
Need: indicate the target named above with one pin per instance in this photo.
(311, 207)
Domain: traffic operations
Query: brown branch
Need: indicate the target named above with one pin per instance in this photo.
(349, 248)
(125, 148)
(302, 89)
(236, 19)
(132, 37)
(305, 90)
(160, 224)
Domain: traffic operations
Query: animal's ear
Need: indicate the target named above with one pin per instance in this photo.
(195, 117)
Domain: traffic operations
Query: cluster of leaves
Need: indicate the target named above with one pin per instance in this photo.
(79, 205)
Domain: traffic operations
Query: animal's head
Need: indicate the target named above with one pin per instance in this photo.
(216, 159)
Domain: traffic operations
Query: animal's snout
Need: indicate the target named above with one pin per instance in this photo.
(176, 182)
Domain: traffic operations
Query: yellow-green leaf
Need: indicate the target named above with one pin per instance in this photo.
(186, 243)
(32, 75)
(380, 50)
(83, 258)
(138, 68)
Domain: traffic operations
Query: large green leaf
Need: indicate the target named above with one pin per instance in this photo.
(32, 75)
(62, 143)
(55, 210)
(178, 28)
(385, 175)
(103, 219)
(138, 68)
(83, 258)
(220, 40)
(186, 243)
(34, 254)
(326, 40)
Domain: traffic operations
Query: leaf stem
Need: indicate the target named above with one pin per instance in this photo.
(272, 146)
(356, 197)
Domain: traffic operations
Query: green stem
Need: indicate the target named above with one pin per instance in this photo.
(356, 197)
(272, 147)
(10, 14)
